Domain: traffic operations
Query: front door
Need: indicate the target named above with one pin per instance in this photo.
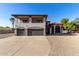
(57, 29)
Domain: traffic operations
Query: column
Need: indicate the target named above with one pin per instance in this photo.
(15, 25)
(26, 31)
(30, 19)
(54, 28)
(44, 21)
(16, 21)
(61, 29)
(44, 31)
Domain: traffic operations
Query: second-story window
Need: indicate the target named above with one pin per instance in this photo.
(25, 21)
(37, 20)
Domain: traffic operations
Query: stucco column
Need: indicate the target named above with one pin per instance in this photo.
(19, 21)
(44, 21)
(44, 31)
(26, 32)
(15, 25)
(60, 29)
(30, 20)
(54, 28)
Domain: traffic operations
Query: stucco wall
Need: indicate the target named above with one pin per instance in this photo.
(20, 24)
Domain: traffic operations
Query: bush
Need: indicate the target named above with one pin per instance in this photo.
(65, 31)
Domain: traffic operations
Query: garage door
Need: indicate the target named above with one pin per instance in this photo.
(35, 32)
(20, 32)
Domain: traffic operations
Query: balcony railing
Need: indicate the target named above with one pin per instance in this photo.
(26, 25)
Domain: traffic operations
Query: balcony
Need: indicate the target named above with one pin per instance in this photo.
(27, 25)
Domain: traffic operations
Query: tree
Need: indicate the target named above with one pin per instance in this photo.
(77, 21)
(64, 21)
(12, 20)
(69, 25)
(72, 26)
(7, 27)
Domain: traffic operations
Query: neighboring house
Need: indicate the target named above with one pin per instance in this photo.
(30, 24)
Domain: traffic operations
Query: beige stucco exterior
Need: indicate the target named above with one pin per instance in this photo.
(20, 25)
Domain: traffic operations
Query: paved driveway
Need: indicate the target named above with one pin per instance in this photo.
(24, 45)
(40, 45)
(64, 45)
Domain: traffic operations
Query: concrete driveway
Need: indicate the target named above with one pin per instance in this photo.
(64, 45)
(24, 46)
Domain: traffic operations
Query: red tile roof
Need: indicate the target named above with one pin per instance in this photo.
(56, 24)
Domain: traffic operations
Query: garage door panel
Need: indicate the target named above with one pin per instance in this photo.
(35, 31)
(20, 32)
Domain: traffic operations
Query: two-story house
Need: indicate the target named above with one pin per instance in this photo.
(30, 24)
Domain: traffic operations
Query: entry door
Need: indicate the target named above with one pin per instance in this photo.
(57, 29)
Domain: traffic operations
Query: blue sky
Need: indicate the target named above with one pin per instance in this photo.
(55, 11)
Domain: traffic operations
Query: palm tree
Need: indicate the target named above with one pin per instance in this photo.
(12, 20)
